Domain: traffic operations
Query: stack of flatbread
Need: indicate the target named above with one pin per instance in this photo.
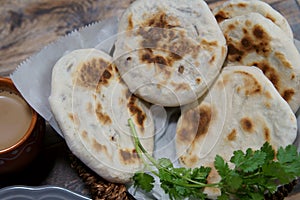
(255, 96)
(233, 71)
(259, 36)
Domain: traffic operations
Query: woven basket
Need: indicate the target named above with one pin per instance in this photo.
(102, 189)
(98, 187)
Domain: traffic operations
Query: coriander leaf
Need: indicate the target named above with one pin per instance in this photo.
(231, 183)
(170, 190)
(238, 157)
(234, 181)
(289, 154)
(274, 171)
(293, 169)
(165, 175)
(182, 172)
(257, 196)
(221, 166)
(144, 181)
(259, 182)
(289, 160)
(165, 162)
(270, 153)
(249, 162)
(231, 180)
(223, 196)
(200, 173)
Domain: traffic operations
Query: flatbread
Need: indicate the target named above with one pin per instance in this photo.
(234, 8)
(92, 105)
(242, 110)
(254, 40)
(169, 52)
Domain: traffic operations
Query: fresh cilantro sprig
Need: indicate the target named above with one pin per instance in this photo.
(254, 175)
(177, 182)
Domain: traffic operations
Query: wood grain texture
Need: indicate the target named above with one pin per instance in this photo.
(27, 26)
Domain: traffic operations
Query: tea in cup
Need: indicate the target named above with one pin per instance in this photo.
(21, 129)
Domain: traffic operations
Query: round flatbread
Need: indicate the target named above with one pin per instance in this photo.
(254, 40)
(241, 7)
(168, 52)
(92, 105)
(242, 110)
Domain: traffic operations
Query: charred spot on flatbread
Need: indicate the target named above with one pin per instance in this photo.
(102, 116)
(128, 156)
(247, 124)
(187, 132)
(251, 85)
(221, 16)
(288, 94)
(196, 120)
(107, 75)
(161, 20)
(136, 111)
(181, 86)
(189, 160)
(282, 58)
(172, 44)
(74, 118)
(84, 135)
(267, 134)
(130, 23)
(270, 17)
(256, 40)
(194, 128)
(99, 147)
(161, 64)
(89, 73)
(232, 135)
(204, 120)
(181, 69)
(270, 72)
(89, 107)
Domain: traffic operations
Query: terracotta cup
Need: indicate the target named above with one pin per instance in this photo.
(22, 152)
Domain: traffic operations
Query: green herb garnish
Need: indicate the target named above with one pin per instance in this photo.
(256, 173)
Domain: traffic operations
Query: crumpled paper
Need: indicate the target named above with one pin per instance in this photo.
(33, 80)
(33, 76)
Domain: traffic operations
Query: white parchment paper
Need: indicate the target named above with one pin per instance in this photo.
(33, 76)
(33, 80)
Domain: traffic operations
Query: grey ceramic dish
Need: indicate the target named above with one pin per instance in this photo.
(40, 193)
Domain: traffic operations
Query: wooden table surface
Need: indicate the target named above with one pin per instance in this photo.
(27, 26)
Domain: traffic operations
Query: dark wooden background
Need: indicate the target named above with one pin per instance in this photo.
(28, 25)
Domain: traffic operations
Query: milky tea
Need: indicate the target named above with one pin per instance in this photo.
(15, 118)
